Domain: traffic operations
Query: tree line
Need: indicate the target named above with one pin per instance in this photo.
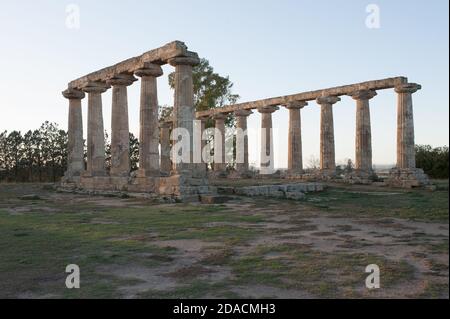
(40, 155)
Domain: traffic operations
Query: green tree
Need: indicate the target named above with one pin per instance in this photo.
(211, 90)
(434, 161)
(134, 152)
(14, 152)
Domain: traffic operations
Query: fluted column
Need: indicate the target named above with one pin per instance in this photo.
(327, 148)
(203, 143)
(149, 124)
(405, 126)
(95, 133)
(242, 163)
(363, 143)
(295, 154)
(120, 132)
(166, 163)
(267, 156)
(183, 113)
(219, 143)
(75, 144)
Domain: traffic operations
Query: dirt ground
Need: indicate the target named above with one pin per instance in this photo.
(245, 248)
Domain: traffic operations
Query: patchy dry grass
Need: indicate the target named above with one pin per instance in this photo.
(255, 248)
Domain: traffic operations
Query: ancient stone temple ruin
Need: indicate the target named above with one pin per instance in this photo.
(187, 179)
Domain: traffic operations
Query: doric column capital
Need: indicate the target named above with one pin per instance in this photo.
(268, 109)
(121, 80)
(95, 87)
(363, 94)
(408, 88)
(73, 94)
(327, 100)
(184, 61)
(219, 116)
(243, 113)
(295, 105)
(149, 69)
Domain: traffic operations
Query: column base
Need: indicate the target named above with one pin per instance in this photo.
(407, 178)
(218, 174)
(244, 174)
(294, 173)
(326, 174)
(361, 177)
(184, 189)
(147, 173)
(71, 177)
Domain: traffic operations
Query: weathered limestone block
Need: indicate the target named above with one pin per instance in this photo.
(289, 191)
(295, 195)
(157, 56)
(407, 178)
(309, 96)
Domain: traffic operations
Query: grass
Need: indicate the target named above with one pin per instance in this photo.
(413, 205)
(34, 245)
(318, 273)
(39, 238)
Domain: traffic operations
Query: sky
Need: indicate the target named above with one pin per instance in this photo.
(267, 48)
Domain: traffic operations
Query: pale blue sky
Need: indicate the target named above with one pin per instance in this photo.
(268, 48)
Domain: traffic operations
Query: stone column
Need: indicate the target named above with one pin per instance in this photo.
(363, 143)
(96, 133)
(405, 126)
(203, 144)
(327, 150)
(406, 174)
(120, 132)
(242, 164)
(220, 164)
(149, 124)
(166, 163)
(183, 113)
(295, 156)
(267, 157)
(75, 145)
